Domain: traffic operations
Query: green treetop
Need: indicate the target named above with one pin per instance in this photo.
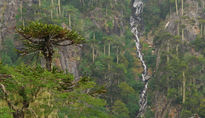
(42, 38)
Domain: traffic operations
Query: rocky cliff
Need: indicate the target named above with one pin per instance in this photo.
(186, 26)
(8, 10)
(193, 11)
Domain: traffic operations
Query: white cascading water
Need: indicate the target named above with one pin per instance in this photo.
(135, 22)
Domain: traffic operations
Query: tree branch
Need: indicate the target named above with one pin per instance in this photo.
(74, 84)
(4, 76)
(6, 97)
(36, 116)
(71, 43)
(60, 40)
(29, 38)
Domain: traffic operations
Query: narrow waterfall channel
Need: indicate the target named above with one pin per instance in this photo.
(135, 21)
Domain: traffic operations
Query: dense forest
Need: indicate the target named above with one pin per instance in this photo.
(77, 59)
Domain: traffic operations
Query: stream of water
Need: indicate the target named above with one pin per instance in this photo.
(135, 21)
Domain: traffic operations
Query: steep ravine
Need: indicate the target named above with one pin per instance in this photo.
(135, 21)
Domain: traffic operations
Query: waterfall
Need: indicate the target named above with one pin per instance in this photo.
(135, 21)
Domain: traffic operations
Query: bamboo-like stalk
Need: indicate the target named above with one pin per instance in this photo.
(168, 51)
(176, 4)
(39, 3)
(59, 6)
(69, 20)
(184, 88)
(182, 1)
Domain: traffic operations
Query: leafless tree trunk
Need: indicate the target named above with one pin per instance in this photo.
(176, 5)
(39, 3)
(184, 88)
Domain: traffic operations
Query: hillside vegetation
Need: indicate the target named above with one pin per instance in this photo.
(108, 81)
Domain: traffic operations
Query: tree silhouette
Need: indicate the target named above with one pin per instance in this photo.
(42, 38)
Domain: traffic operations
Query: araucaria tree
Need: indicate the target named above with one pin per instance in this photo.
(42, 38)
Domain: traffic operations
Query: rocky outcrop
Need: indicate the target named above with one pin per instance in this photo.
(189, 22)
(69, 59)
(8, 9)
(108, 23)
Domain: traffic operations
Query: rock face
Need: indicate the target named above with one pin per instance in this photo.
(190, 20)
(9, 9)
(8, 12)
(69, 59)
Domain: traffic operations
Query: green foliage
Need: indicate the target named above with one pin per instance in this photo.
(120, 110)
(186, 114)
(113, 67)
(5, 112)
(34, 88)
(41, 38)
(202, 108)
(171, 72)
(36, 33)
(156, 11)
(149, 114)
(199, 44)
(106, 26)
(8, 54)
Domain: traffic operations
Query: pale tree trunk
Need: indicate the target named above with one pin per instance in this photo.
(177, 45)
(52, 5)
(93, 53)
(109, 46)
(39, 3)
(69, 20)
(21, 10)
(184, 88)
(93, 48)
(182, 15)
(117, 55)
(201, 29)
(176, 4)
(158, 59)
(59, 6)
(177, 49)
(104, 49)
(182, 7)
(170, 11)
(168, 51)
(182, 34)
